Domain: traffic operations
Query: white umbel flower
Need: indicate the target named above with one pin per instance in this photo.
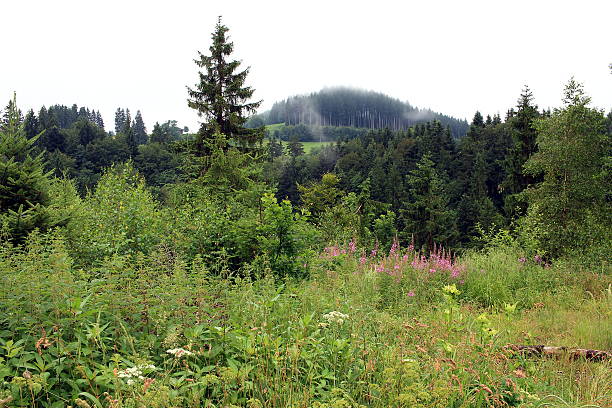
(335, 317)
(179, 352)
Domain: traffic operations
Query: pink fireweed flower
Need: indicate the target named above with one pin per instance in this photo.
(419, 263)
(362, 260)
(455, 273)
(522, 260)
(352, 246)
(411, 293)
(394, 247)
(405, 258)
(537, 259)
(432, 270)
(373, 253)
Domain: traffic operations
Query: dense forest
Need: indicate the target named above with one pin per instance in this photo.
(74, 143)
(353, 108)
(413, 261)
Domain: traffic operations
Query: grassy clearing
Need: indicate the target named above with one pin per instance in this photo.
(377, 331)
(310, 146)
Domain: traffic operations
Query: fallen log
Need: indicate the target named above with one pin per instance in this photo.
(549, 351)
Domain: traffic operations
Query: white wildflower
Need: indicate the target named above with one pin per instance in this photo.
(136, 372)
(179, 352)
(335, 317)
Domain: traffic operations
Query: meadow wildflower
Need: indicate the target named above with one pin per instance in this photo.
(335, 317)
(352, 246)
(131, 374)
(411, 293)
(179, 352)
(451, 289)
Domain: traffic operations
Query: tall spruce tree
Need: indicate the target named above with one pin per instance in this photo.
(140, 132)
(524, 146)
(221, 97)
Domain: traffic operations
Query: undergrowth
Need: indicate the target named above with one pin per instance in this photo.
(367, 329)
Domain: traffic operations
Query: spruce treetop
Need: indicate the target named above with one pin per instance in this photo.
(220, 96)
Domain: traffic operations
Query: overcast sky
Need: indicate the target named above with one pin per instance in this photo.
(454, 57)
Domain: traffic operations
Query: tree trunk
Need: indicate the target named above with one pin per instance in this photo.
(548, 351)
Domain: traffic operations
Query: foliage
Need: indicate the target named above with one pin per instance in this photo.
(119, 217)
(23, 181)
(428, 218)
(149, 330)
(220, 95)
(317, 197)
(571, 202)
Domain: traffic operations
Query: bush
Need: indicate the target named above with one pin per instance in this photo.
(120, 217)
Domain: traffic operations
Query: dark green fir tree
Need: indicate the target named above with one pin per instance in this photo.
(221, 97)
(140, 132)
(23, 181)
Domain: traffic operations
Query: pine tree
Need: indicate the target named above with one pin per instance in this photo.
(221, 97)
(140, 132)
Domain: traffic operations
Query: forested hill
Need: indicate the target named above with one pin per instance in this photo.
(355, 108)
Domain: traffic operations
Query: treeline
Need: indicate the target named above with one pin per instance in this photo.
(354, 108)
(73, 142)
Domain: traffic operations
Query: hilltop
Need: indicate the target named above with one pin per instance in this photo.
(349, 107)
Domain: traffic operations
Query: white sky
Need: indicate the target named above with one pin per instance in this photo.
(454, 57)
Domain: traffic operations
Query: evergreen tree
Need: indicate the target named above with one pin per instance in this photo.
(221, 97)
(31, 125)
(524, 146)
(119, 120)
(23, 181)
(99, 120)
(46, 119)
(295, 148)
(140, 132)
(427, 217)
(11, 109)
(127, 123)
(275, 148)
(83, 114)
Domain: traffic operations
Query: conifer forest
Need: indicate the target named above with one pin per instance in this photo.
(342, 248)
